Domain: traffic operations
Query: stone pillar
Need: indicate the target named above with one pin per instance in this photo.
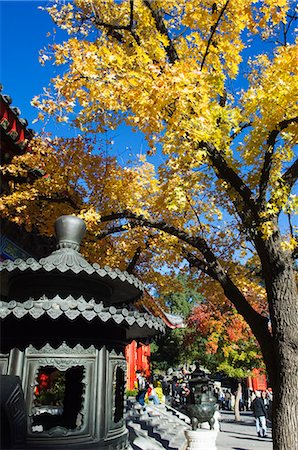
(201, 439)
(16, 363)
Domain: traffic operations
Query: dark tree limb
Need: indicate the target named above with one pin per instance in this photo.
(268, 159)
(241, 128)
(200, 264)
(226, 173)
(132, 264)
(211, 266)
(291, 175)
(118, 229)
(59, 199)
(257, 322)
(113, 29)
(160, 26)
(196, 242)
(136, 256)
(213, 30)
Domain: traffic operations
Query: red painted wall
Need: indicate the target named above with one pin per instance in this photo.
(137, 358)
(258, 381)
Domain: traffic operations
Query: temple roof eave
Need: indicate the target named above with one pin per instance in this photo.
(137, 323)
(123, 284)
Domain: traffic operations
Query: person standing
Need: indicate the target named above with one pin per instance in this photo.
(185, 394)
(142, 388)
(228, 400)
(259, 412)
(152, 395)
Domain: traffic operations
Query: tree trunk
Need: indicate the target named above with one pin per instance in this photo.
(237, 402)
(285, 401)
(285, 390)
(280, 346)
(283, 305)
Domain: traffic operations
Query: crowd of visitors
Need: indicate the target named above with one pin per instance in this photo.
(176, 390)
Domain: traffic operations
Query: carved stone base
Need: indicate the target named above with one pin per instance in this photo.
(13, 413)
(119, 443)
(201, 439)
(91, 413)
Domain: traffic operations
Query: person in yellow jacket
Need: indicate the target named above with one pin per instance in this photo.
(159, 391)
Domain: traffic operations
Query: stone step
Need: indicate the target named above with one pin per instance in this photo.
(169, 437)
(141, 443)
(161, 424)
(134, 425)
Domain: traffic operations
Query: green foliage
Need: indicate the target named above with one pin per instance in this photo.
(131, 392)
(181, 302)
(170, 350)
(55, 394)
(224, 341)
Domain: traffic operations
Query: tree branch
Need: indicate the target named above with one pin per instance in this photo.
(199, 264)
(159, 225)
(290, 176)
(136, 256)
(59, 199)
(118, 229)
(197, 242)
(160, 25)
(213, 29)
(241, 128)
(268, 159)
(133, 262)
(213, 268)
(112, 29)
(226, 173)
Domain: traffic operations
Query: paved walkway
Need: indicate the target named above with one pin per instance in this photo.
(241, 435)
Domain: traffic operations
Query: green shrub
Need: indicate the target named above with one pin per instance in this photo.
(131, 392)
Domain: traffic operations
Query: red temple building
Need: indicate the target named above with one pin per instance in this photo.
(15, 135)
(258, 381)
(138, 354)
(15, 139)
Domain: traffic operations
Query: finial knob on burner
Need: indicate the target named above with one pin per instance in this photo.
(70, 230)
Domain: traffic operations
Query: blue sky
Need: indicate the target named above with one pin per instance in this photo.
(23, 33)
(24, 27)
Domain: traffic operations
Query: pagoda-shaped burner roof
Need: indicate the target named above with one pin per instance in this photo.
(66, 271)
(73, 309)
(65, 288)
(120, 286)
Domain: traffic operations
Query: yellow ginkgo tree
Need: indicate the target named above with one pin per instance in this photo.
(213, 85)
